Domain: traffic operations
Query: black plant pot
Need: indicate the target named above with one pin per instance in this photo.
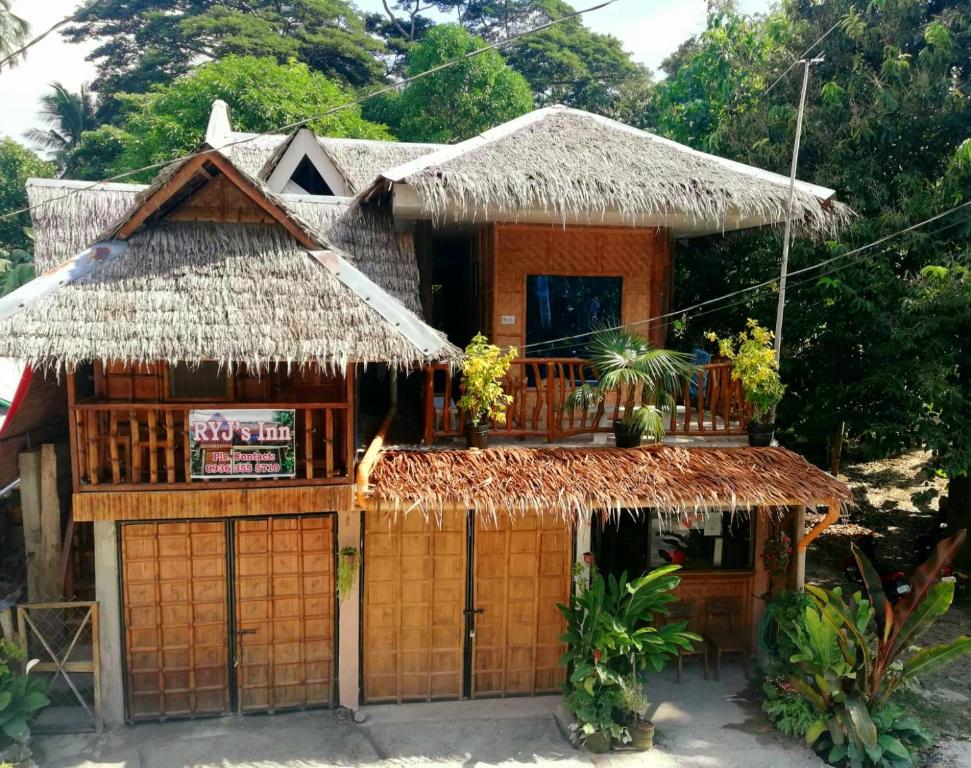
(760, 433)
(625, 436)
(477, 435)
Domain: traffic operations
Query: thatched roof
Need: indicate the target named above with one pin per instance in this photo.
(577, 165)
(194, 291)
(68, 216)
(71, 216)
(575, 482)
(360, 161)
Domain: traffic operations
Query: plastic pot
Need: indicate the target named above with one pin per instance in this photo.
(760, 433)
(477, 435)
(626, 436)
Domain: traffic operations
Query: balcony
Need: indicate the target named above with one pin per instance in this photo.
(146, 446)
(709, 404)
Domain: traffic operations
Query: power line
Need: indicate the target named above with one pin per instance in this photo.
(756, 286)
(50, 30)
(799, 58)
(340, 107)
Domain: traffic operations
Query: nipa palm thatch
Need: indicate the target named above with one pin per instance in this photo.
(572, 163)
(360, 161)
(574, 483)
(195, 291)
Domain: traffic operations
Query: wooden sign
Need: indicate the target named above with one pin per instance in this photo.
(242, 444)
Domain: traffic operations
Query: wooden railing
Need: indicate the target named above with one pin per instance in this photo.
(709, 402)
(137, 446)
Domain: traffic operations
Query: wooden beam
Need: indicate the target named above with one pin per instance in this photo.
(160, 196)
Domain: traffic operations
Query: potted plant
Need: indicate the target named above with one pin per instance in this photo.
(347, 567)
(613, 641)
(483, 399)
(627, 363)
(756, 366)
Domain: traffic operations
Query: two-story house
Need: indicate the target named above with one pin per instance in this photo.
(254, 360)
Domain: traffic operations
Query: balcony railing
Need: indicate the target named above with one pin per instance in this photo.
(708, 403)
(138, 446)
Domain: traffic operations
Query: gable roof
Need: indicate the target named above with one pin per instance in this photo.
(194, 290)
(574, 164)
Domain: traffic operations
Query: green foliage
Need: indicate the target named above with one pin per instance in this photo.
(347, 567)
(17, 164)
(21, 697)
(851, 656)
(627, 362)
(790, 712)
(458, 102)
(483, 369)
(13, 32)
(613, 643)
(65, 116)
(262, 95)
(754, 364)
(144, 43)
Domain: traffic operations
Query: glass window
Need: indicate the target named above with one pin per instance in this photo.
(559, 306)
(702, 541)
(208, 381)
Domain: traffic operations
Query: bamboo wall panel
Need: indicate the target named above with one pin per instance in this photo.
(175, 614)
(225, 500)
(284, 588)
(522, 571)
(414, 594)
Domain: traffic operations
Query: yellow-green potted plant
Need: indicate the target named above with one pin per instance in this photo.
(483, 399)
(755, 365)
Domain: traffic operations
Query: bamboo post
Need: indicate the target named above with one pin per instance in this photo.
(170, 447)
(152, 446)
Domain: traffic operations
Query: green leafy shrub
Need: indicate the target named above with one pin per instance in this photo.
(613, 642)
(790, 712)
(21, 697)
(755, 365)
(483, 369)
(853, 655)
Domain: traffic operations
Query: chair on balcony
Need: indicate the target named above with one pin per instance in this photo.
(724, 631)
(684, 610)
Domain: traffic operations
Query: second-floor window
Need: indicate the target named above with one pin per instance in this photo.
(559, 306)
(207, 381)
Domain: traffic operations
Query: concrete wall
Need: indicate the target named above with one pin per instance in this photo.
(349, 620)
(109, 605)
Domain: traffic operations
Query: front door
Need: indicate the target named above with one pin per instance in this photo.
(223, 616)
(457, 608)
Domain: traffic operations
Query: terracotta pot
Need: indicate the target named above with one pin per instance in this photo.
(641, 735)
(598, 743)
(625, 436)
(588, 558)
(760, 433)
(477, 435)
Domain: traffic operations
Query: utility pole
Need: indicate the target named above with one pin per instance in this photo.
(780, 310)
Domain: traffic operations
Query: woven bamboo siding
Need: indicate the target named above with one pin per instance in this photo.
(641, 257)
(285, 612)
(414, 594)
(522, 571)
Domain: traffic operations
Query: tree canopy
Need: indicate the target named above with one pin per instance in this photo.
(458, 102)
(17, 164)
(171, 119)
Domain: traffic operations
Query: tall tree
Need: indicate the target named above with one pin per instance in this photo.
(151, 42)
(65, 115)
(457, 102)
(171, 120)
(566, 64)
(13, 32)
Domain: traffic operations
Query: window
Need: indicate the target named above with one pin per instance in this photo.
(558, 306)
(208, 381)
(308, 178)
(715, 540)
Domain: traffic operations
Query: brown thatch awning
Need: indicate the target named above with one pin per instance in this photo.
(573, 482)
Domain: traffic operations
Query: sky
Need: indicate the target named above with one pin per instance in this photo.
(649, 29)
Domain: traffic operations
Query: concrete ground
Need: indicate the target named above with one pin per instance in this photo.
(700, 724)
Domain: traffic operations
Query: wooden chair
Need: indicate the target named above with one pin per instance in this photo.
(724, 630)
(684, 610)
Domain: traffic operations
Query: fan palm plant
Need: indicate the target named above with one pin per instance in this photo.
(626, 363)
(65, 115)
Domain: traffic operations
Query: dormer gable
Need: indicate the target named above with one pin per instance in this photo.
(300, 167)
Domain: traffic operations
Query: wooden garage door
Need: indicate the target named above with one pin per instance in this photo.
(521, 571)
(414, 595)
(175, 606)
(284, 590)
